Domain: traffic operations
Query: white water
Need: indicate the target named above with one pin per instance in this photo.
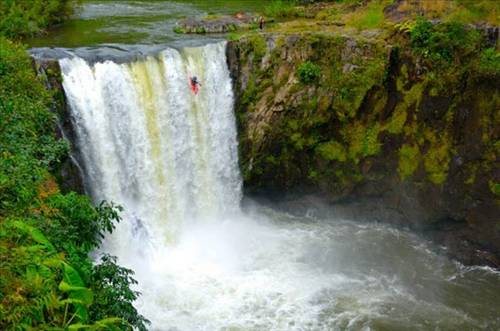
(170, 158)
(151, 145)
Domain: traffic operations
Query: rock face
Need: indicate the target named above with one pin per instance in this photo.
(70, 176)
(381, 133)
(381, 130)
(220, 24)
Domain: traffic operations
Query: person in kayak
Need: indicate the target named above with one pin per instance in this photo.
(195, 84)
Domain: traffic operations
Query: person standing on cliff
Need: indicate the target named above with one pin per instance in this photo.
(261, 23)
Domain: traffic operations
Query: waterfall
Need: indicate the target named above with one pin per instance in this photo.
(148, 143)
(169, 157)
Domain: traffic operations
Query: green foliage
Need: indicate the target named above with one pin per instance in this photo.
(442, 42)
(494, 187)
(408, 160)
(45, 237)
(473, 11)
(27, 144)
(259, 46)
(308, 72)
(437, 158)
(77, 221)
(39, 289)
(362, 140)
(179, 30)
(370, 17)
(29, 17)
(332, 151)
(113, 296)
(398, 119)
(489, 63)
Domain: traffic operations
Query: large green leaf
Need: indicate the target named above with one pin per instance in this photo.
(72, 277)
(73, 283)
(35, 234)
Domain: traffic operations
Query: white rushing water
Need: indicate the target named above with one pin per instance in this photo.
(170, 158)
(151, 145)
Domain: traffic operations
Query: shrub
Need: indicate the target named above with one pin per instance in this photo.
(45, 236)
(441, 42)
(489, 63)
(29, 17)
(309, 72)
(113, 296)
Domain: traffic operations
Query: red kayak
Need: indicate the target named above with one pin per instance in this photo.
(195, 84)
(194, 88)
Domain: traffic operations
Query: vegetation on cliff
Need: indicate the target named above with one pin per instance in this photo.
(404, 104)
(331, 78)
(20, 18)
(47, 280)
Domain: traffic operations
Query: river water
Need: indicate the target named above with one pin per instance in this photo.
(205, 257)
(98, 22)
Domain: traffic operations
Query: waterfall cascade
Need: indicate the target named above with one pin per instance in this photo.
(169, 157)
(150, 144)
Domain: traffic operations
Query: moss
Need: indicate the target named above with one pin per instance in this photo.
(346, 110)
(488, 106)
(258, 46)
(180, 30)
(298, 141)
(411, 98)
(414, 95)
(351, 88)
(250, 93)
(332, 151)
(409, 159)
(234, 36)
(472, 172)
(433, 92)
(437, 157)
(200, 30)
(370, 16)
(397, 120)
(362, 140)
(494, 187)
(402, 79)
(308, 72)
(313, 175)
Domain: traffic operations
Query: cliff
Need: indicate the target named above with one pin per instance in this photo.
(396, 130)
(377, 125)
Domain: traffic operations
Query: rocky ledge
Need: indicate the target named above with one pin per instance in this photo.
(380, 130)
(218, 24)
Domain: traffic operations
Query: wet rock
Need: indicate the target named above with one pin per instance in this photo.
(222, 24)
(348, 67)
(283, 123)
(70, 173)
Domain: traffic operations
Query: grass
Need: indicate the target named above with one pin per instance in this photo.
(370, 16)
(283, 9)
(474, 11)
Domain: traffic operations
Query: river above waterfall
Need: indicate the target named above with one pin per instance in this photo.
(137, 21)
